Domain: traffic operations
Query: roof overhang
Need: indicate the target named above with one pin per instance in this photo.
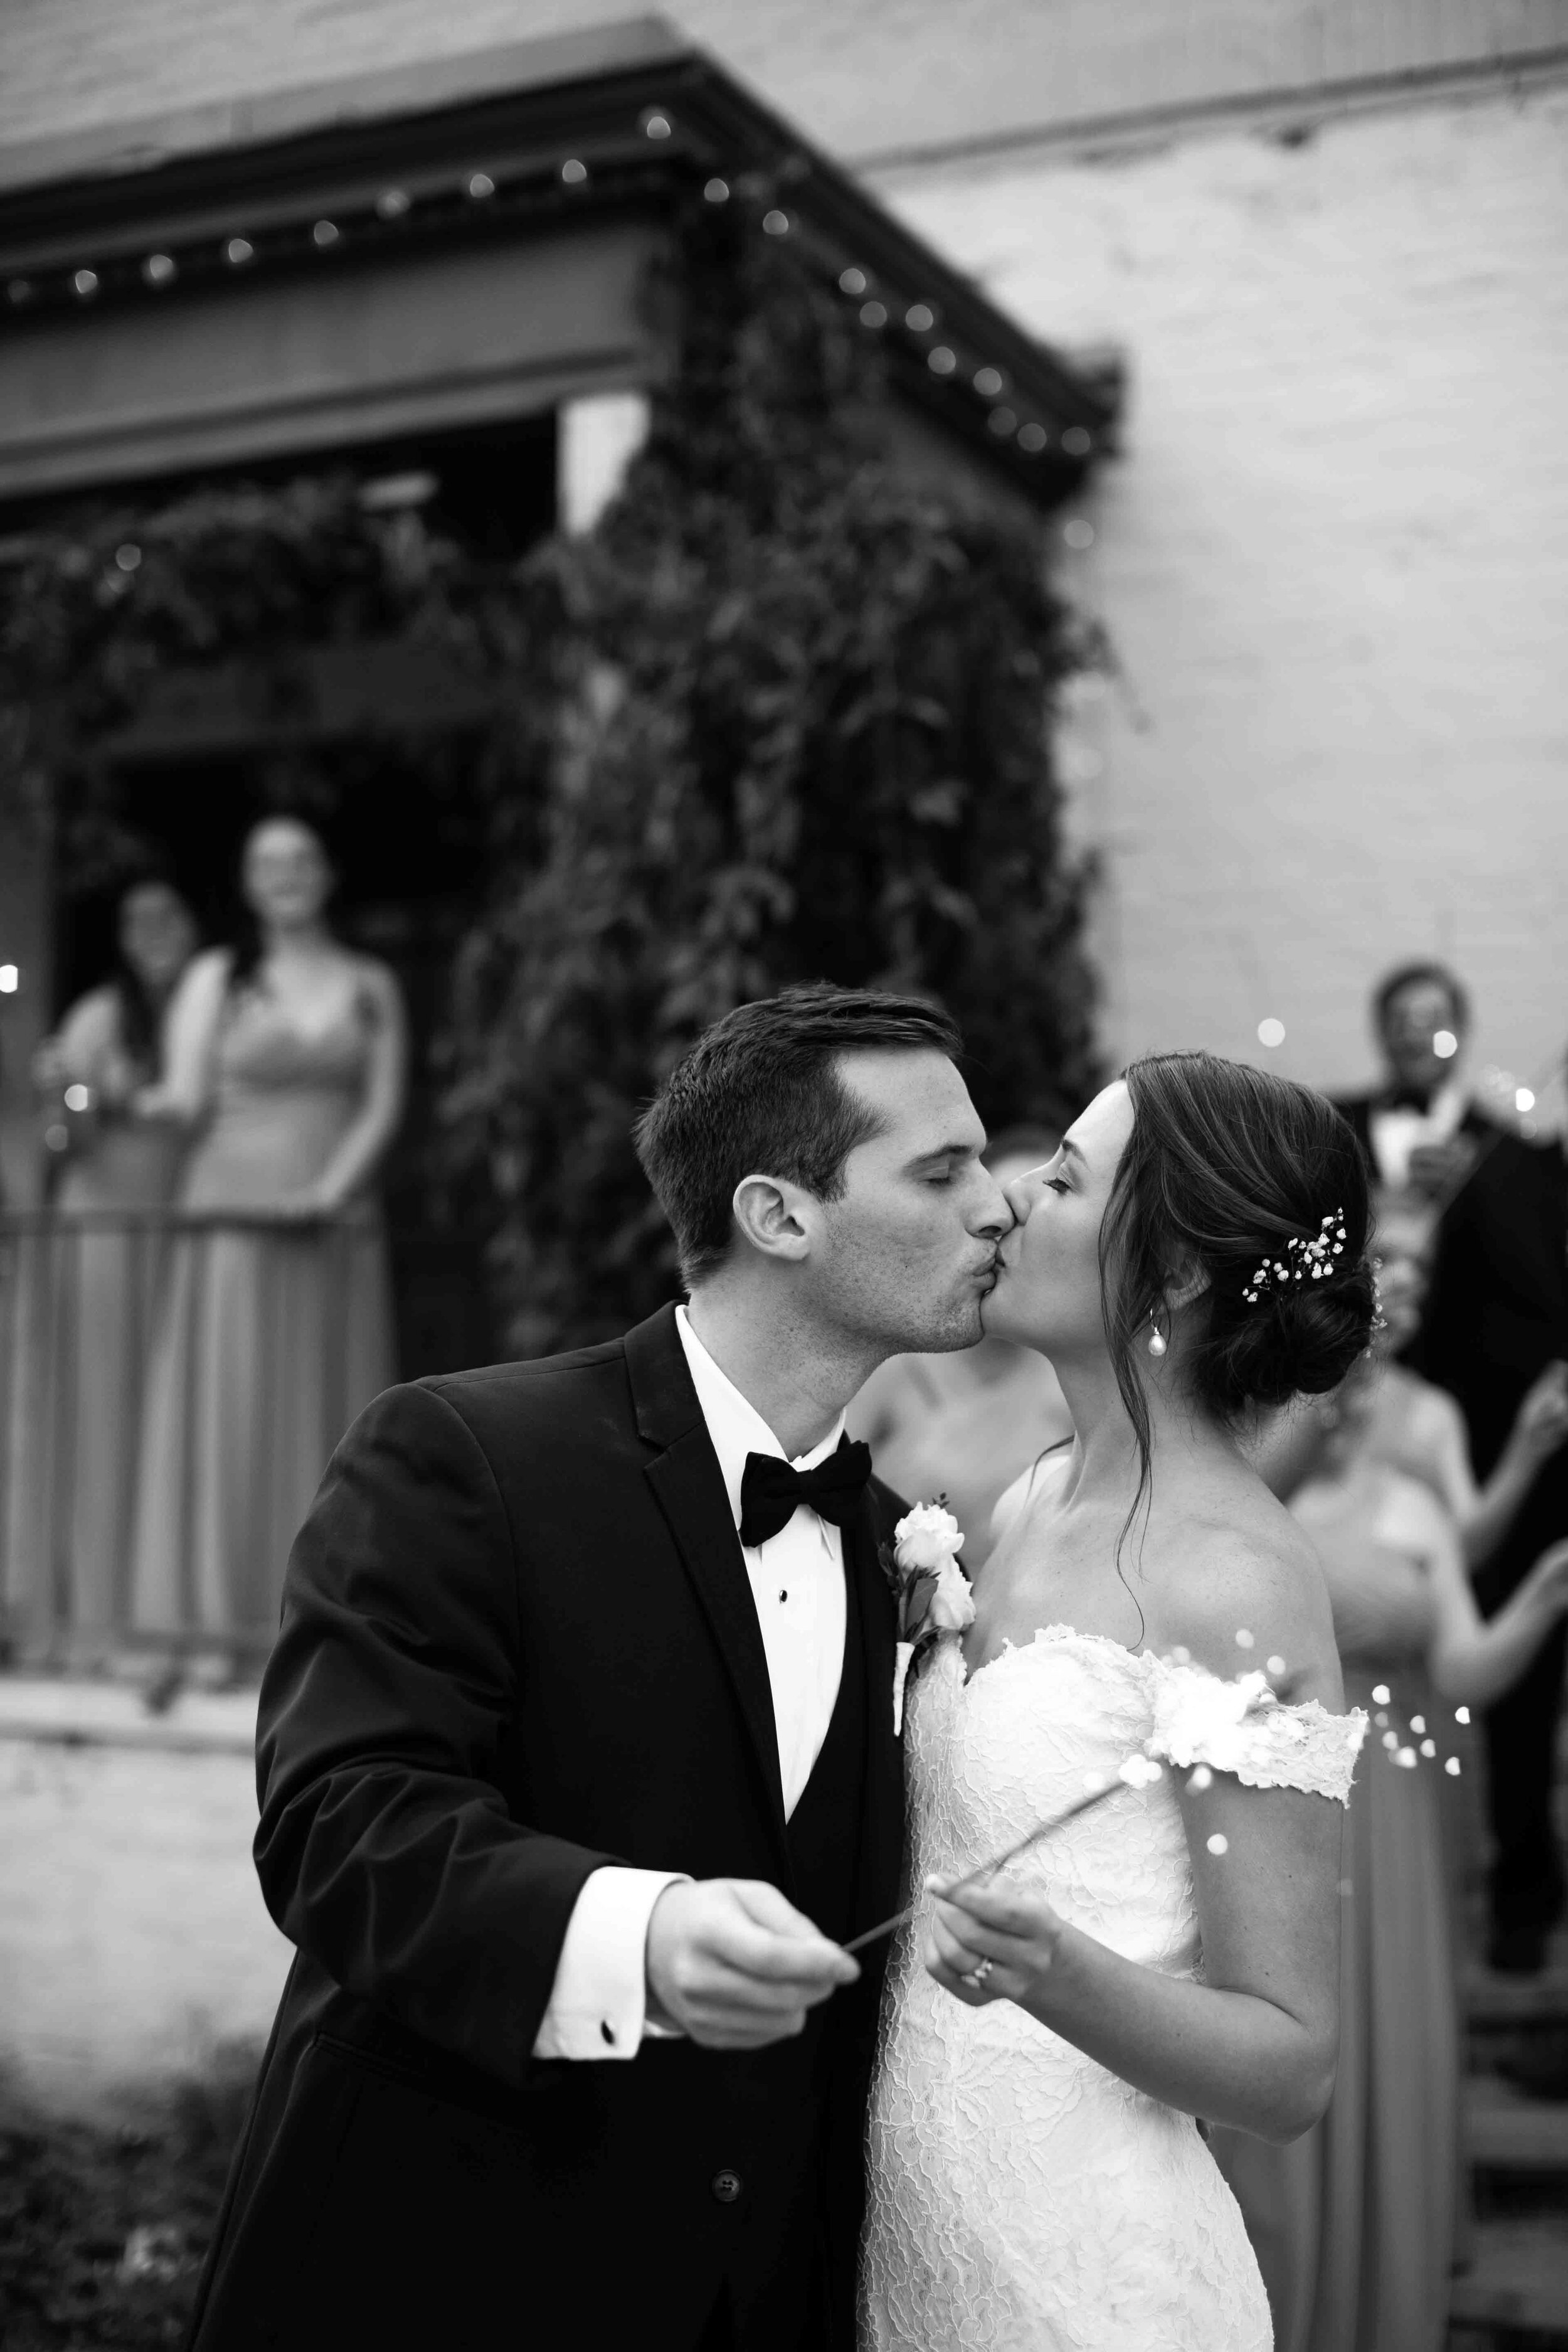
(495, 150)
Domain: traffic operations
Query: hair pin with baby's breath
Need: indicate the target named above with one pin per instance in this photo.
(1302, 1260)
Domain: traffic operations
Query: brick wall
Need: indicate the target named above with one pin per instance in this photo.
(1334, 560)
(1335, 556)
(862, 78)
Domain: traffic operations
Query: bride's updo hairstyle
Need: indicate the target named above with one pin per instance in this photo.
(1236, 1173)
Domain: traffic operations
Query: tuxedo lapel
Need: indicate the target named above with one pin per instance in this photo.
(883, 1827)
(689, 1488)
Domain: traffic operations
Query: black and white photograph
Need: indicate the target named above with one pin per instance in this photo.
(784, 1176)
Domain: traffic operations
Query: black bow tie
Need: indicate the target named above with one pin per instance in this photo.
(770, 1490)
(1408, 1098)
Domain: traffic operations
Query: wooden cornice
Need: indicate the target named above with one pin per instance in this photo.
(504, 144)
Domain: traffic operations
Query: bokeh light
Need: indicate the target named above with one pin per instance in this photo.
(1271, 1031)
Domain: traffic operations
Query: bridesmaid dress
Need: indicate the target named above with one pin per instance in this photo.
(1355, 2224)
(77, 1332)
(273, 1339)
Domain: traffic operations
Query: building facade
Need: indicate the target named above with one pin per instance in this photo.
(1333, 558)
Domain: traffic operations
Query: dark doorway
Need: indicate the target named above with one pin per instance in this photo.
(377, 743)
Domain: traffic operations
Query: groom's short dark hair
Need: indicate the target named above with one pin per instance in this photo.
(760, 1093)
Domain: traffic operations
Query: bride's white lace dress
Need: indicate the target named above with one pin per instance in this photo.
(1021, 2198)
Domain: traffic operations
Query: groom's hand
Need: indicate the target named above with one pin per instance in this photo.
(735, 1965)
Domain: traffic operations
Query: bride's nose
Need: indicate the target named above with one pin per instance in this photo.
(1022, 1192)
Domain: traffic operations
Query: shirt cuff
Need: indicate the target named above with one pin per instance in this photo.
(598, 2004)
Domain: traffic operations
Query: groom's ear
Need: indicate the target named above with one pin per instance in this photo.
(776, 1217)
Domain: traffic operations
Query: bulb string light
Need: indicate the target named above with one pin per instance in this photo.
(367, 223)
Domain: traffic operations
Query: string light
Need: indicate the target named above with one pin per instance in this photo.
(1200, 1778)
(84, 284)
(1218, 1843)
(853, 281)
(656, 125)
(1275, 1666)
(1523, 1100)
(1244, 1639)
(19, 290)
(1076, 533)
(238, 251)
(1461, 1715)
(717, 191)
(10, 980)
(920, 318)
(574, 171)
(1003, 423)
(480, 185)
(988, 382)
(941, 362)
(1382, 1694)
(1445, 1044)
(775, 224)
(873, 314)
(160, 270)
(1033, 438)
(326, 233)
(1271, 1033)
(128, 556)
(392, 204)
(1452, 1766)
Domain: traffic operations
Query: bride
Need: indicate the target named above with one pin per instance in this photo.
(1037, 2175)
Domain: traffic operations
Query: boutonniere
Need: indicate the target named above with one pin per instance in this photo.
(930, 1590)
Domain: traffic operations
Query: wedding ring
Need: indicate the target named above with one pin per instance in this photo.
(977, 1975)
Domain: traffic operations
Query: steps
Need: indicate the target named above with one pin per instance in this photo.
(1519, 2279)
(1513, 2292)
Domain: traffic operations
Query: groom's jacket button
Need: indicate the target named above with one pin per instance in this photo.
(727, 2187)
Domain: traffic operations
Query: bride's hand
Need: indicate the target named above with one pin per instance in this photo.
(1016, 1931)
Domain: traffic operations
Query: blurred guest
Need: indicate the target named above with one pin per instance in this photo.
(108, 1050)
(1419, 1428)
(966, 1424)
(1494, 1330)
(85, 1289)
(1355, 2224)
(1418, 1127)
(289, 1053)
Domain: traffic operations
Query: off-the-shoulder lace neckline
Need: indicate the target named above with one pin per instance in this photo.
(1064, 1634)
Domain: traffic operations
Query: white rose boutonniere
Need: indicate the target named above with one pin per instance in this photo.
(931, 1591)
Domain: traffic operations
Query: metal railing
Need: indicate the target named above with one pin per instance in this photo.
(171, 1384)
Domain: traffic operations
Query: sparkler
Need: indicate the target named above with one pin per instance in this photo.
(1137, 1772)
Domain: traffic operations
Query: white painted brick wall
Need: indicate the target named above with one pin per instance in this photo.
(133, 1934)
(861, 76)
(1334, 560)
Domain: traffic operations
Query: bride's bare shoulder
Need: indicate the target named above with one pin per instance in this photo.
(1244, 1593)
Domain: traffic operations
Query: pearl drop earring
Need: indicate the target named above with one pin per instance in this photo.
(1157, 1342)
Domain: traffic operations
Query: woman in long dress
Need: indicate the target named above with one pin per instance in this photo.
(1038, 2178)
(277, 1328)
(1355, 2224)
(83, 1296)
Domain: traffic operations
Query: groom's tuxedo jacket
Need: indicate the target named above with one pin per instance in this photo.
(519, 1641)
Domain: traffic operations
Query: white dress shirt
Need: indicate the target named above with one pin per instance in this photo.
(598, 2002)
(1394, 1135)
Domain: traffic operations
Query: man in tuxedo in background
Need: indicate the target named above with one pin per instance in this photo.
(577, 1763)
(1496, 1318)
(1418, 1128)
(1491, 1207)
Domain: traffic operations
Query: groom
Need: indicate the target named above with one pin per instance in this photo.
(577, 1765)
